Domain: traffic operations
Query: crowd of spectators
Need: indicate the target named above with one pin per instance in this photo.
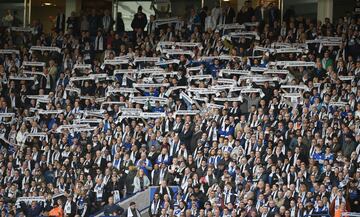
(261, 156)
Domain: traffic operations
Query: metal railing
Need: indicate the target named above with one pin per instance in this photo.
(124, 202)
(350, 214)
(142, 200)
(318, 215)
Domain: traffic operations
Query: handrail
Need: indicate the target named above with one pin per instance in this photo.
(326, 214)
(121, 200)
(350, 214)
(316, 215)
(124, 203)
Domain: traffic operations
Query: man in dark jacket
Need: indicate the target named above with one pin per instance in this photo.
(94, 22)
(34, 210)
(230, 14)
(120, 26)
(132, 211)
(60, 22)
(112, 209)
(185, 135)
(245, 13)
(262, 14)
(139, 21)
(274, 13)
(69, 207)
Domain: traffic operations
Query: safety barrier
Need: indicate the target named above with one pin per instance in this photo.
(350, 214)
(319, 215)
(142, 200)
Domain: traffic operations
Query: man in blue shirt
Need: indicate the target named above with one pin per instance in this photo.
(215, 68)
(318, 155)
(158, 107)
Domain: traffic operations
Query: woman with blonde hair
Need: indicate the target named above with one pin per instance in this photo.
(141, 181)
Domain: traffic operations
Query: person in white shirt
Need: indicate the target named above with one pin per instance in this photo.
(20, 136)
(216, 13)
(210, 21)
